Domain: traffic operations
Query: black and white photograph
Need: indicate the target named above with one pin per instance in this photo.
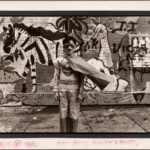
(79, 73)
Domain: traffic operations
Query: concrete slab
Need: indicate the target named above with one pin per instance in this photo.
(44, 123)
(46, 98)
(39, 99)
(140, 116)
(19, 110)
(83, 124)
(114, 98)
(92, 119)
(90, 98)
(22, 126)
(110, 122)
(38, 120)
(8, 123)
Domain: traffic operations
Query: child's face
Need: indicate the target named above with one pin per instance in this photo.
(69, 47)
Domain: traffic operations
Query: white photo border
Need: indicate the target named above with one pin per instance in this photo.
(7, 141)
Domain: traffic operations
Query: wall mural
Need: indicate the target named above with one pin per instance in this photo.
(116, 46)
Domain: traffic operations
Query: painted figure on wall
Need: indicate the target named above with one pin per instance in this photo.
(31, 45)
(103, 60)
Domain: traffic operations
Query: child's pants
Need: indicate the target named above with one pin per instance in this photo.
(69, 108)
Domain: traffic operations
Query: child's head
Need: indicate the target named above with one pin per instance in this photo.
(69, 45)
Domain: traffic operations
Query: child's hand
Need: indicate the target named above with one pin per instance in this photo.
(80, 97)
(57, 96)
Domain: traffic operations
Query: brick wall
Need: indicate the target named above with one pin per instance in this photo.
(45, 73)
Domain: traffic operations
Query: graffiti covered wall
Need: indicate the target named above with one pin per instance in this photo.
(116, 46)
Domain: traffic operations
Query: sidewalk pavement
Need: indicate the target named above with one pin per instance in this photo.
(92, 119)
